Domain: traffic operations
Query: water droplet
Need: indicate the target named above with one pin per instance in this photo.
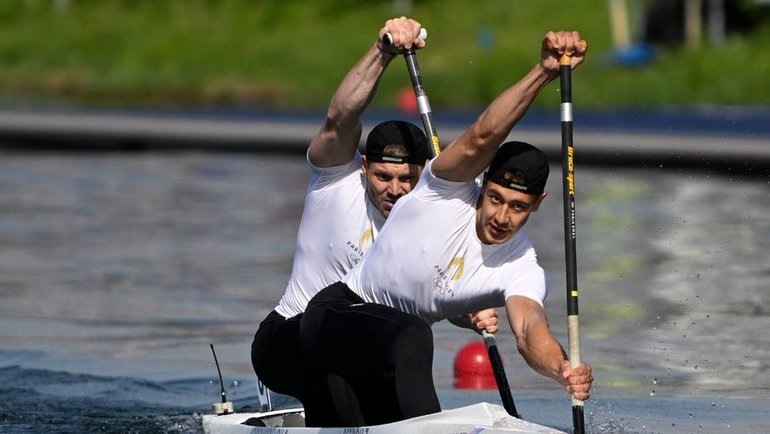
(652, 392)
(235, 383)
(654, 381)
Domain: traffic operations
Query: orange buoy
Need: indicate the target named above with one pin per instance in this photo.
(472, 368)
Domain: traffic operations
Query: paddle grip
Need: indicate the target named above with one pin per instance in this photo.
(565, 58)
(387, 38)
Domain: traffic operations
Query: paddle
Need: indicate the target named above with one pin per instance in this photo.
(499, 371)
(568, 186)
(419, 90)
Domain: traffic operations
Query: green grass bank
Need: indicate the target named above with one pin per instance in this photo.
(279, 54)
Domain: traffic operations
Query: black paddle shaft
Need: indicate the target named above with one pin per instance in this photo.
(568, 186)
(423, 105)
(500, 378)
(570, 232)
(422, 100)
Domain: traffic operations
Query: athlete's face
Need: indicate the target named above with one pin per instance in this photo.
(501, 212)
(387, 182)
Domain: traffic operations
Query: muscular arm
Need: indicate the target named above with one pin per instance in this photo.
(534, 339)
(471, 153)
(540, 348)
(337, 140)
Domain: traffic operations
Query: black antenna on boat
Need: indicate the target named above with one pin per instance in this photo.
(224, 407)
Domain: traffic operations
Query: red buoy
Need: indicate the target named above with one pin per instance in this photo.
(407, 101)
(472, 368)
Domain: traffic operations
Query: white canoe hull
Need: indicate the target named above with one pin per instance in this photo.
(473, 419)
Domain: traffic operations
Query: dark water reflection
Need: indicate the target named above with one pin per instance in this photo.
(129, 265)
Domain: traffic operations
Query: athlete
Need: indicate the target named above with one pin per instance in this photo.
(452, 245)
(349, 196)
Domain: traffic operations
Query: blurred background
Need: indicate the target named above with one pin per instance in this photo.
(152, 177)
(277, 54)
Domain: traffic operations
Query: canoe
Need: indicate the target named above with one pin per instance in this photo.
(478, 418)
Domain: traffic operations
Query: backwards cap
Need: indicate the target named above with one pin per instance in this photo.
(413, 149)
(519, 166)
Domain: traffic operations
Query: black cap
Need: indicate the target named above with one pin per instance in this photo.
(519, 166)
(409, 143)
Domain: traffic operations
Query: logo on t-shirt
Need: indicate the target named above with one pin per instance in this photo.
(445, 277)
(359, 249)
(356, 254)
(367, 238)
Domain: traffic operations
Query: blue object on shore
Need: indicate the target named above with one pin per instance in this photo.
(633, 55)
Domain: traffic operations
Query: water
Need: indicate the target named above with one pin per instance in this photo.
(118, 270)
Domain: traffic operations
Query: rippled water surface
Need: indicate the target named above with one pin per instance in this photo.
(118, 270)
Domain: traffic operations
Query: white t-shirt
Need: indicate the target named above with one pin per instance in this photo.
(338, 225)
(429, 262)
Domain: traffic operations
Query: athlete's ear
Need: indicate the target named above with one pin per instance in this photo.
(364, 164)
(539, 201)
